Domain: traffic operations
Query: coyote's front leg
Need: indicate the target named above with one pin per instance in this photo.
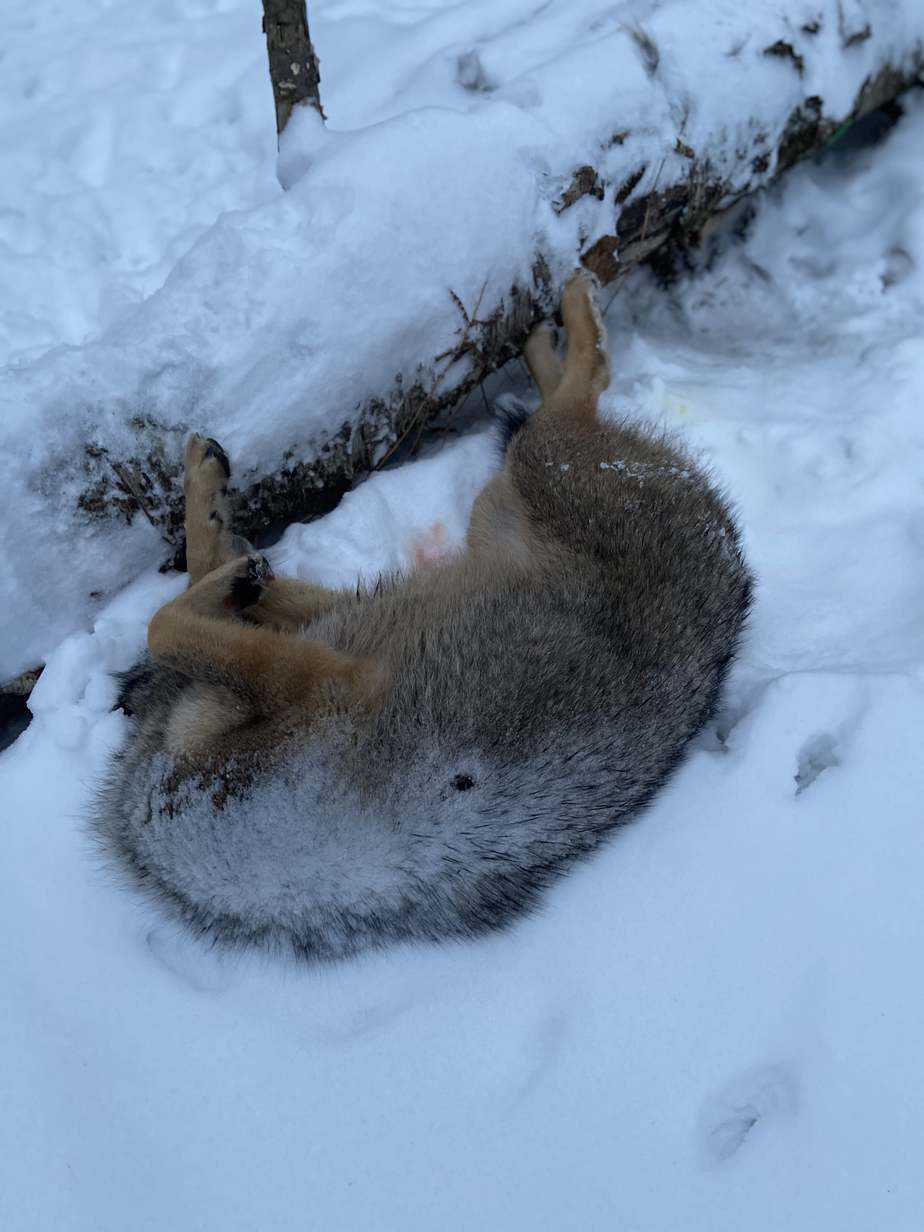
(211, 544)
(210, 633)
(210, 538)
(266, 668)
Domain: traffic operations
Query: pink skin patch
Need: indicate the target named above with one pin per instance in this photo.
(429, 546)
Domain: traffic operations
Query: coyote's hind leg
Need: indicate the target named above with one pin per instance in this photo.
(587, 364)
(542, 359)
(210, 539)
(501, 525)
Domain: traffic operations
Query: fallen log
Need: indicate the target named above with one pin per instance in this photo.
(305, 403)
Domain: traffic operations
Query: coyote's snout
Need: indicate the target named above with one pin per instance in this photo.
(327, 771)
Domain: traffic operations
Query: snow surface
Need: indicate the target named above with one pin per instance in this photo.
(715, 1025)
(153, 268)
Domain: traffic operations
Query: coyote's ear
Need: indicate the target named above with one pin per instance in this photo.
(511, 414)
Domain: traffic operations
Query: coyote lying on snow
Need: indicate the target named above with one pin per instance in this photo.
(328, 771)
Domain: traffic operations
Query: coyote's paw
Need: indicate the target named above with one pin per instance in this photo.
(206, 484)
(203, 453)
(231, 588)
(249, 577)
(582, 285)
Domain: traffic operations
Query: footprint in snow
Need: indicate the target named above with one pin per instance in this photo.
(816, 755)
(745, 1109)
(539, 1058)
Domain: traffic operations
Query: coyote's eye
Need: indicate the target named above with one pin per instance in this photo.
(462, 782)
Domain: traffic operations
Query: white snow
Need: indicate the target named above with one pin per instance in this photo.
(154, 269)
(715, 1024)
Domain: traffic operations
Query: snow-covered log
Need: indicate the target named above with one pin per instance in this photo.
(406, 260)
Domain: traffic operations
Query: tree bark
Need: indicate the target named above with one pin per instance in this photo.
(293, 63)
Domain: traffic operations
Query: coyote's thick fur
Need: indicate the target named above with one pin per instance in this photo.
(327, 771)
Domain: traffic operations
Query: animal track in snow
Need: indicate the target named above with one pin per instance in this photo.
(734, 713)
(816, 755)
(743, 1109)
(549, 1038)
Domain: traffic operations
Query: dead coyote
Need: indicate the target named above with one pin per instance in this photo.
(324, 772)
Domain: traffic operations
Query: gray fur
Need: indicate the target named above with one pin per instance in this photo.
(530, 712)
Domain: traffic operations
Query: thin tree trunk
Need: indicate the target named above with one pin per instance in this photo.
(293, 63)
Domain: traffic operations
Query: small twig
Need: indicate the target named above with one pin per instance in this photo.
(484, 287)
(616, 281)
(458, 303)
(651, 194)
(465, 346)
(129, 487)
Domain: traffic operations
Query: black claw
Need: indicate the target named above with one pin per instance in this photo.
(246, 590)
(259, 568)
(214, 450)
